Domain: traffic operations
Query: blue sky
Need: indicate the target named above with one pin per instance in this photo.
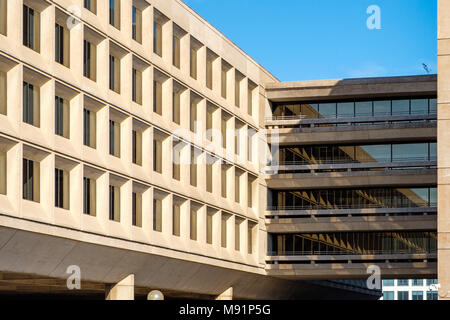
(328, 39)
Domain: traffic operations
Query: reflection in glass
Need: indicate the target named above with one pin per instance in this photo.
(325, 199)
(381, 108)
(329, 154)
(363, 109)
(333, 243)
(400, 107)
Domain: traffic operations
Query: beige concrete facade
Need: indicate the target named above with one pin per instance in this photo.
(443, 147)
(90, 128)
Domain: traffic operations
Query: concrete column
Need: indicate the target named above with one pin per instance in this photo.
(226, 295)
(123, 290)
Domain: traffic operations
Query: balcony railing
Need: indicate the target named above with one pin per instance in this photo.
(344, 207)
(351, 161)
(355, 116)
(345, 252)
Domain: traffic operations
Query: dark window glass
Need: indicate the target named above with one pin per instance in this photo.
(111, 202)
(28, 103)
(111, 137)
(402, 295)
(388, 295)
(86, 195)
(112, 4)
(327, 110)
(134, 23)
(363, 109)
(417, 295)
(382, 108)
(86, 127)
(432, 295)
(134, 85)
(28, 179)
(87, 59)
(134, 208)
(59, 188)
(88, 4)
(400, 107)
(134, 145)
(59, 116)
(28, 27)
(59, 43)
(111, 72)
(419, 106)
(388, 283)
(346, 110)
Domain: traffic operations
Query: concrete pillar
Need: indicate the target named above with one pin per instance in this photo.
(123, 290)
(226, 295)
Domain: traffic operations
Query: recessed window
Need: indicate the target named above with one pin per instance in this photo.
(211, 57)
(224, 79)
(193, 222)
(3, 172)
(250, 91)
(114, 13)
(237, 233)
(3, 17)
(250, 191)
(193, 59)
(89, 196)
(157, 215)
(224, 229)
(61, 189)
(157, 38)
(62, 39)
(209, 225)
(237, 185)
(137, 86)
(157, 97)
(3, 93)
(114, 138)
(237, 89)
(250, 228)
(176, 51)
(176, 166)
(136, 25)
(30, 180)
(62, 117)
(89, 128)
(137, 147)
(114, 73)
(178, 90)
(193, 166)
(176, 214)
(209, 172)
(89, 60)
(224, 168)
(91, 5)
(157, 155)
(31, 104)
(31, 28)
(136, 209)
(114, 203)
(193, 114)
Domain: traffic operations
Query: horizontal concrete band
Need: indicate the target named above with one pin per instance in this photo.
(347, 224)
(353, 134)
(398, 178)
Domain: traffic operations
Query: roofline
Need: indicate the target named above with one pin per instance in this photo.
(350, 81)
